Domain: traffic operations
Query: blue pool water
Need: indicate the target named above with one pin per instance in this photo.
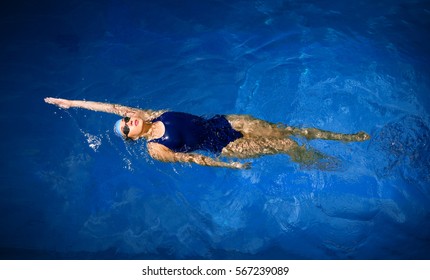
(70, 189)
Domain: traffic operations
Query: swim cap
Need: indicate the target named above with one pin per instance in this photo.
(117, 128)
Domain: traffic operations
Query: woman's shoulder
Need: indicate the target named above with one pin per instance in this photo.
(176, 114)
(149, 115)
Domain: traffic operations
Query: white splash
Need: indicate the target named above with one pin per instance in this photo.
(94, 142)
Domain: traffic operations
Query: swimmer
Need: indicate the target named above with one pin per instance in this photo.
(177, 137)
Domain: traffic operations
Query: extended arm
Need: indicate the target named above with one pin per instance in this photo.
(123, 111)
(162, 153)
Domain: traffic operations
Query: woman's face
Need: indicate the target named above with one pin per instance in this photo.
(131, 127)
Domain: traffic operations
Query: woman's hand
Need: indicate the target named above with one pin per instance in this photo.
(238, 165)
(62, 103)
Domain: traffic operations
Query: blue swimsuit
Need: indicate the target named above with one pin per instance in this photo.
(185, 132)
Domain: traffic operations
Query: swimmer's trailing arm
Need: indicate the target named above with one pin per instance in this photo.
(162, 153)
(123, 111)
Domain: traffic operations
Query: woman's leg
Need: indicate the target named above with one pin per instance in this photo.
(249, 148)
(251, 127)
(314, 133)
(256, 147)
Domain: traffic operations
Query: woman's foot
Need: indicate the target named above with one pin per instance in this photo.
(362, 136)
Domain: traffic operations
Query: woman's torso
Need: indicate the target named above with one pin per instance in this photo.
(185, 132)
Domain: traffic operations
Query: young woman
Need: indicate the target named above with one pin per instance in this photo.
(175, 136)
